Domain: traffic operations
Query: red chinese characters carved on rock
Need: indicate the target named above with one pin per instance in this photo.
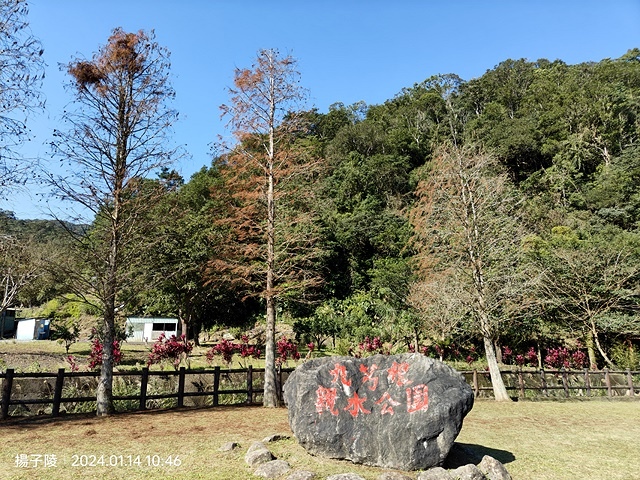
(387, 404)
(417, 398)
(326, 400)
(355, 405)
(368, 376)
(398, 374)
(340, 373)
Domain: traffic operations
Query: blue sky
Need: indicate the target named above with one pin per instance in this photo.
(347, 50)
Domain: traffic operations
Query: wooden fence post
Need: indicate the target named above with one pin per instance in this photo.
(587, 382)
(6, 392)
(250, 385)
(279, 383)
(630, 382)
(544, 383)
(57, 393)
(565, 382)
(181, 387)
(216, 386)
(521, 382)
(476, 386)
(607, 381)
(144, 383)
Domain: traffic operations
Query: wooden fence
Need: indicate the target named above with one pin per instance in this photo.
(248, 388)
(522, 383)
(529, 383)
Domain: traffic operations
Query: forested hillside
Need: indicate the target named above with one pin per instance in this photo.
(502, 210)
(549, 152)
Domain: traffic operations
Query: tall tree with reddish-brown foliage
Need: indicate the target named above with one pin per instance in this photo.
(271, 248)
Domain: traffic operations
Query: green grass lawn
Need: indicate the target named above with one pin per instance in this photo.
(593, 440)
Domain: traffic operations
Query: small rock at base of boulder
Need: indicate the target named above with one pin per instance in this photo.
(467, 472)
(275, 438)
(393, 476)
(493, 469)
(227, 447)
(258, 457)
(436, 473)
(272, 469)
(256, 446)
(345, 476)
(302, 475)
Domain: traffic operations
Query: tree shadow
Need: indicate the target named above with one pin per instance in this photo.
(464, 453)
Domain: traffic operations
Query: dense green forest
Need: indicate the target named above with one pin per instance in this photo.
(502, 208)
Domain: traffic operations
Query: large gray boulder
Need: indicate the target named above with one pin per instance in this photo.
(399, 411)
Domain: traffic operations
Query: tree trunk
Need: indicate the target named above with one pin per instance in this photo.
(104, 392)
(498, 351)
(184, 325)
(195, 332)
(606, 358)
(270, 398)
(591, 352)
(499, 390)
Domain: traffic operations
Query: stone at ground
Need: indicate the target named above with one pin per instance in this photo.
(467, 472)
(436, 473)
(393, 476)
(345, 476)
(276, 437)
(257, 446)
(256, 457)
(493, 469)
(272, 469)
(399, 411)
(227, 447)
(301, 475)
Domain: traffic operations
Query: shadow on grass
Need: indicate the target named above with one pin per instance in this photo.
(464, 453)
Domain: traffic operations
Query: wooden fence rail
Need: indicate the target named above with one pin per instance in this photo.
(250, 389)
(583, 383)
(537, 382)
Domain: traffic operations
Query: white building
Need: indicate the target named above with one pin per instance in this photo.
(148, 329)
(33, 329)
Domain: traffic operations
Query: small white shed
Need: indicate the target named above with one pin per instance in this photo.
(148, 329)
(33, 329)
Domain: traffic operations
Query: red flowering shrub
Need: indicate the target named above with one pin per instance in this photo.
(71, 360)
(558, 358)
(532, 357)
(579, 359)
(372, 346)
(286, 349)
(226, 349)
(507, 353)
(95, 357)
(172, 348)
